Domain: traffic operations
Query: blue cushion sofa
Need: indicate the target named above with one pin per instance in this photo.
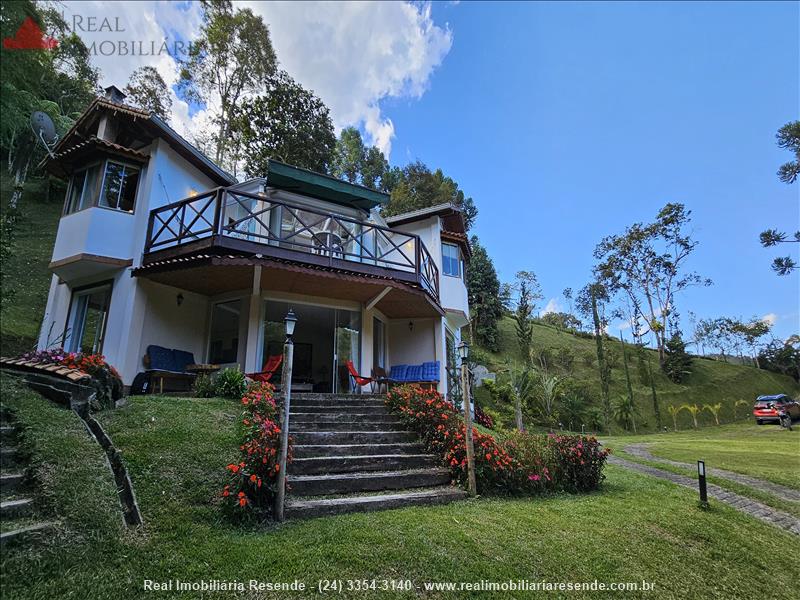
(426, 374)
(170, 366)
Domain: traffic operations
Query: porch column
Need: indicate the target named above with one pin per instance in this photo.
(253, 324)
(439, 348)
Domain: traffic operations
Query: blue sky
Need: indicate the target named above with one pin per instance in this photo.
(567, 122)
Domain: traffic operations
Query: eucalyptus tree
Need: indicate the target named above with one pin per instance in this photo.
(646, 264)
(147, 89)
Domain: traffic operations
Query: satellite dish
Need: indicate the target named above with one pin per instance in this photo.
(44, 130)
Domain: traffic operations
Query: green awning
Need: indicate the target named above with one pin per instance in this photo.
(324, 187)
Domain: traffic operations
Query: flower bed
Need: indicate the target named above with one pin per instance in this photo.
(253, 479)
(105, 378)
(523, 464)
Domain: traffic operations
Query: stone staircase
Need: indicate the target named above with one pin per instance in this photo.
(351, 455)
(18, 522)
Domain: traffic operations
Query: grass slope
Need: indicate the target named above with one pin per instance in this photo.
(636, 529)
(28, 275)
(710, 382)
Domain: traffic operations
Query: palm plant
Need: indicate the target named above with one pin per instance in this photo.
(548, 391)
(674, 411)
(625, 411)
(693, 410)
(714, 410)
(736, 406)
(522, 386)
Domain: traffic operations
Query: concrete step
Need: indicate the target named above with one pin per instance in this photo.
(347, 483)
(19, 507)
(25, 534)
(337, 402)
(353, 417)
(339, 397)
(352, 437)
(304, 509)
(319, 450)
(302, 426)
(352, 464)
(8, 457)
(10, 482)
(7, 433)
(363, 409)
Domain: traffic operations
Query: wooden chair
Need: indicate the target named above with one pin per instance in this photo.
(268, 370)
(380, 378)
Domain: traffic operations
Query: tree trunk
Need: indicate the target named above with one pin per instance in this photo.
(656, 410)
(601, 363)
(518, 412)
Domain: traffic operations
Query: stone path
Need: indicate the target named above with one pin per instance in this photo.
(783, 492)
(780, 519)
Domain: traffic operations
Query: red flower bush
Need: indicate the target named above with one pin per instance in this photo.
(481, 418)
(524, 463)
(254, 477)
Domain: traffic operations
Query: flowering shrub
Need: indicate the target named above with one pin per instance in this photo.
(524, 463)
(482, 418)
(254, 477)
(579, 461)
(105, 378)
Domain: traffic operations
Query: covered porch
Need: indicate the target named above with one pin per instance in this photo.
(229, 310)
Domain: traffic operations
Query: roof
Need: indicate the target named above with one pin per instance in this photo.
(151, 125)
(317, 185)
(437, 210)
(460, 239)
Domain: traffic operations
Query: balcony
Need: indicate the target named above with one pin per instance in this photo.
(251, 224)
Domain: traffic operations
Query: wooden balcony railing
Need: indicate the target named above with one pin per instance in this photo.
(223, 217)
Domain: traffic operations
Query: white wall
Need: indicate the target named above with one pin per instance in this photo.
(411, 347)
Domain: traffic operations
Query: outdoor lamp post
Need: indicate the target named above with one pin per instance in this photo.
(286, 382)
(463, 353)
(701, 480)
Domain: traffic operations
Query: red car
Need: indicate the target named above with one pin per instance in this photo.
(767, 408)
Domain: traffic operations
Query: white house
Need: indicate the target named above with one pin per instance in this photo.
(159, 246)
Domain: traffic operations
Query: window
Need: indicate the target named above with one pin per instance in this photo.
(451, 260)
(119, 186)
(87, 321)
(378, 343)
(119, 182)
(223, 346)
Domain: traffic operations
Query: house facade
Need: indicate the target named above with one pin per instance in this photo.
(159, 246)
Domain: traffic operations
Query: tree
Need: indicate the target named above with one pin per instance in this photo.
(591, 300)
(563, 321)
(678, 362)
(751, 334)
(349, 155)
(147, 89)
(646, 264)
(415, 187)
(653, 394)
(788, 138)
(374, 169)
(483, 291)
(287, 123)
(521, 384)
(232, 56)
(628, 384)
(548, 388)
(692, 409)
(528, 292)
(714, 409)
(782, 357)
(674, 411)
(625, 412)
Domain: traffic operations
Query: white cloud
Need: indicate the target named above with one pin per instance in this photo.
(770, 319)
(552, 306)
(355, 54)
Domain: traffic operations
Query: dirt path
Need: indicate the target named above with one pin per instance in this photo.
(760, 511)
(783, 492)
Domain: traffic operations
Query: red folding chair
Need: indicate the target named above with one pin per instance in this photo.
(270, 368)
(357, 379)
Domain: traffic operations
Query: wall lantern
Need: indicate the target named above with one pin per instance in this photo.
(411, 325)
(179, 298)
(290, 320)
(463, 351)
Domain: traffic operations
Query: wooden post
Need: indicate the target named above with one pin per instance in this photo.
(286, 385)
(471, 485)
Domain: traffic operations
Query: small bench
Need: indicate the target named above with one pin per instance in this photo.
(425, 375)
(170, 366)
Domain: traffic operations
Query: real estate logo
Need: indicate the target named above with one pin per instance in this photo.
(29, 37)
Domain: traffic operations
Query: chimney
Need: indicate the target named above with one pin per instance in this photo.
(114, 94)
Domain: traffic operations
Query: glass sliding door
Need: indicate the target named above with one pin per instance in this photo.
(88, 317)
(347, 347)
(223, 345)
(378, 343)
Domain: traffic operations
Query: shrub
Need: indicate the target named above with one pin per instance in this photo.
(230, 383)
(578, 462)
(253, 479)
(524, 463)
(204, 386)
(483, 418)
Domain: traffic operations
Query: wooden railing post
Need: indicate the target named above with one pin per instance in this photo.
(218, 211)
(148, 240)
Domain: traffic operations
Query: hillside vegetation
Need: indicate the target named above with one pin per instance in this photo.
(575, 357)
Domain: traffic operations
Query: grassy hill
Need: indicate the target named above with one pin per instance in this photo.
(575, 357)
(28, 276)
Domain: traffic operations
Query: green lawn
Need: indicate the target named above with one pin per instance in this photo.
(711, 381)
(637, 528)
(765, 451)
